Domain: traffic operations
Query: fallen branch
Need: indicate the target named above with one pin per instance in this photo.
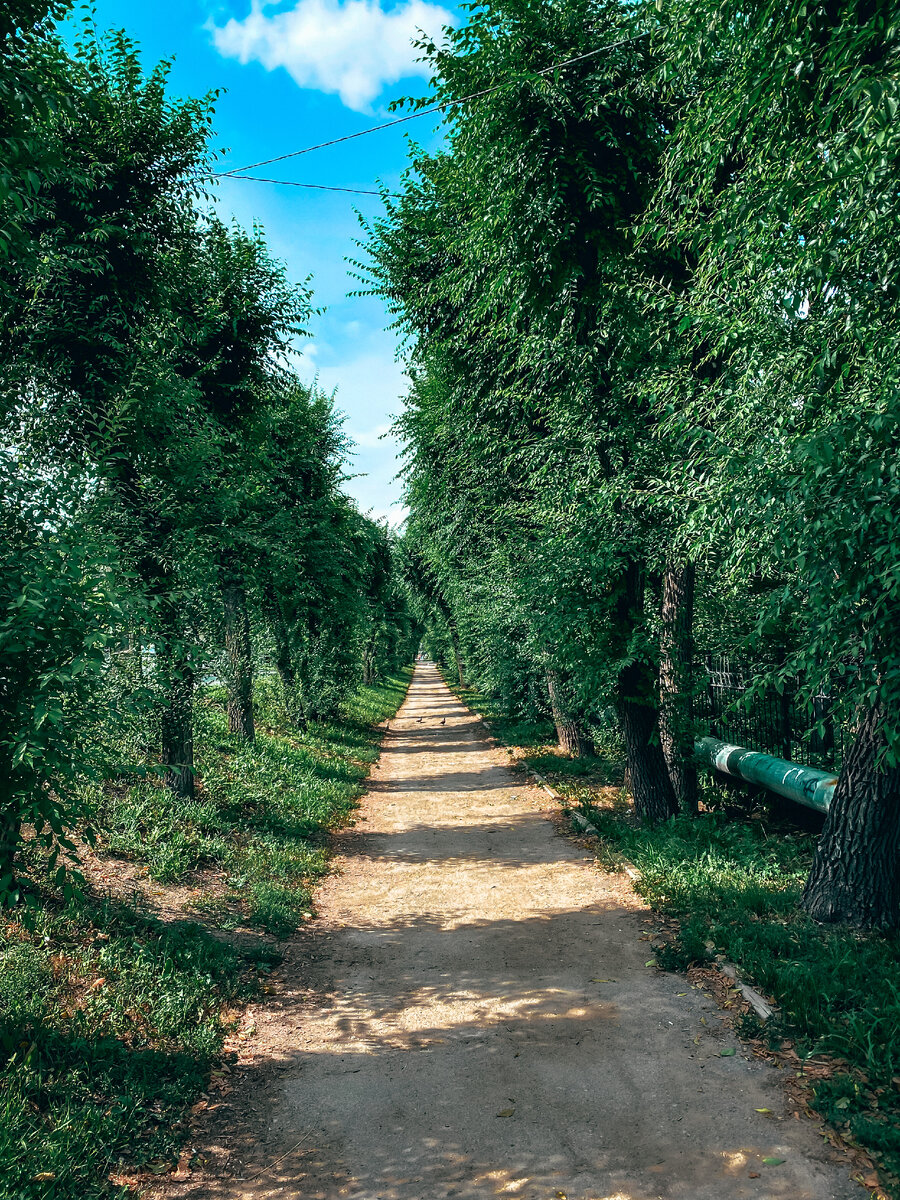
(761, 1007)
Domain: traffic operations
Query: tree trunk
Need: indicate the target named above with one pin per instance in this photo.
(173, 668)
(10, 841)
(855, 874)
(284, 664)
(676, 683)
(133, 663)
(457, 654)
(651, 787)
(178, 723)
(571, 737)
(368, 662)
(240, 656)
(283, 657)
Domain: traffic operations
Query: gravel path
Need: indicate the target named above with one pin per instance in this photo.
(472, 1017)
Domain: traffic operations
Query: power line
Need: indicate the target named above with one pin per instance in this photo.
(234, 172)
(319, 187)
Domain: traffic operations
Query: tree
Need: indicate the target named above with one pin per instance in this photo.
(507, 261)
(243, 314)
(779, 181)
(187, 500)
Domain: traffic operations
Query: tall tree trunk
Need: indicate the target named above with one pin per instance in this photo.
(369, 662)
(240, 654)
(855, 874)
(284, 659)
(284, 665)
(173, 668)
(572, 738)
(651, 787)
(676, 682)
(10, 842)
(457, 653)
(133, 660)
(177, 725)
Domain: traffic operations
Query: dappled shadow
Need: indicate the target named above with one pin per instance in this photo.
(484, 779)
(422, 741)
(478, 1018)
(108, 1031)
(491, 843)
(435, 713)
(456, 1058)
(464, 976)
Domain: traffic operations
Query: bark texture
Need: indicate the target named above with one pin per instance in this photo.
(177, 726)
(651, 787)
(239, 651)
(676, 682)
(369, 662)
(457, 653)
(572, 738)
(283, 656)
(855, 876)
(10, 841)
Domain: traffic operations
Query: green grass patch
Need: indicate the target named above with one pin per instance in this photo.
(109, 1024)
(111, 1020)
(263, 813)
(734, 887)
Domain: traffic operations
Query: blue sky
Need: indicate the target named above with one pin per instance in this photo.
(295, 73)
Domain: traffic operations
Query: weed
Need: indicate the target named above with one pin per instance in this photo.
(263, 812)
(110, 1020)
(109, 1023)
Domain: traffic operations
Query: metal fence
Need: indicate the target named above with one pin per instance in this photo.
(735, 709)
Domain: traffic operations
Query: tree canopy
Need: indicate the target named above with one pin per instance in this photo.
(648, 303)
(172, 493)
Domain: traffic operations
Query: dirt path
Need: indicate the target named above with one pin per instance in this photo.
(472, 1017)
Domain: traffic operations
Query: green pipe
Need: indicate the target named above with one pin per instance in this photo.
(805, 785)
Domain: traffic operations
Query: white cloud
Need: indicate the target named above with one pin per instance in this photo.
(353, 48)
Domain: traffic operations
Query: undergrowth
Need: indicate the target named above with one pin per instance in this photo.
(111, 1020)
(534, 735)
(734, 887)
(513, 731)
(109, 1024)
(262, 812)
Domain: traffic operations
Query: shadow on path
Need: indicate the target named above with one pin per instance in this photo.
(473, 1017)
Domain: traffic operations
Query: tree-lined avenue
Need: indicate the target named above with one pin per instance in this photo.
(472, 1016)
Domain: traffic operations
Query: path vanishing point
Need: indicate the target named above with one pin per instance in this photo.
(471, 1016)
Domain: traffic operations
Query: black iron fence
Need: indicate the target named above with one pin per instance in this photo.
(809, 730)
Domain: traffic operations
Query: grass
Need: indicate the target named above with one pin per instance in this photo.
(733, 883)
(512, 731)
(262, 813)
(111, 1021)
(734, 887)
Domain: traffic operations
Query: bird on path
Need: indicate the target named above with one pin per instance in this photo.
(420, 719)
(443, 720)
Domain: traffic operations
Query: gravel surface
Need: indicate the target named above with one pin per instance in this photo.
(471, 1016)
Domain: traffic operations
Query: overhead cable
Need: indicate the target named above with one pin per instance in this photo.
(235, 172)
(319, 187)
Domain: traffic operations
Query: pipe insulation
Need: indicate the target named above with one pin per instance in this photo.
(805, 785)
